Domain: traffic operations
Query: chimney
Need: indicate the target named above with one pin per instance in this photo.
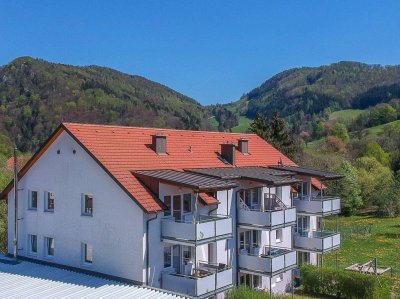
(228, 152)
(244, 146)
(160, 144)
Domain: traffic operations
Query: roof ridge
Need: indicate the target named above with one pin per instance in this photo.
(153, 128)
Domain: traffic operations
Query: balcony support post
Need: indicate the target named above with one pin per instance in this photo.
(270, 286)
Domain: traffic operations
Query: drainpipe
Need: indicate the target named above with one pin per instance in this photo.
(148, 247)
(15, 203)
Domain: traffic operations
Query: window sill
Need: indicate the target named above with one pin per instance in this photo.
(86, 265)
(86, 215)
(48, 211)
(49, 257)
(32, 209)
(32, 254)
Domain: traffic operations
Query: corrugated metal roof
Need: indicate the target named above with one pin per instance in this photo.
(308, 171)
(31, 280)
(187, 179)
(260, 174)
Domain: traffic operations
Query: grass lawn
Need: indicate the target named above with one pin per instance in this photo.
(383, 243)
(345, 116)
(379, 129)
(244, 124)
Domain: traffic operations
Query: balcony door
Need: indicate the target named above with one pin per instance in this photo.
(182, 260)
(250, 241)
(251, 198)
(303, 225)
(182, 205)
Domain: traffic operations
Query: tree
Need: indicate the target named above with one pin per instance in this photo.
(340, 130)
(319, 129)
(374, 150)
(378, 186)
(382, 114)
(274, 131)
(335, 144)
(350, 191)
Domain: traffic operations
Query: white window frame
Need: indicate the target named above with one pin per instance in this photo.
(83, 204)
(85, 248)
(279, 235)
(30, 193)
(47, 195)
(30, 251)
(172, 212)
(46, 252)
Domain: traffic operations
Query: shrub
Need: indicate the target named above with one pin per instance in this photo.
(338, 283)
(244, 292)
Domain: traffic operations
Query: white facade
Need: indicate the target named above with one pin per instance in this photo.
(201, 250)
(115, 230)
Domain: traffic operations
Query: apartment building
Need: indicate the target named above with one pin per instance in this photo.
(186, 211)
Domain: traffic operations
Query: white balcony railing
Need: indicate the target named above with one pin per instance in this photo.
(266, 218)
(273, 261)
(317, 241)
(324, 206)
(206, 229)
(206, 281)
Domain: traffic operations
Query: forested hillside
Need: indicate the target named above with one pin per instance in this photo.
(35, 96)
(304, 94)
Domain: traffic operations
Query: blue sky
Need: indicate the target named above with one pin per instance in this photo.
(213, 51)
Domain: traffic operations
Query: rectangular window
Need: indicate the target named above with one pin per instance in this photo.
(49, 201)
(33, 197)
(167, 201)
(279, 278)
(87, 253)
(167, 256)
(279, 235)
(49, 242)
(32, 239)
(87, 204)
(187, 203)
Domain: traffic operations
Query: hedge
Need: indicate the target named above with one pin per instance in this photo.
(244, 292)
(338, 283)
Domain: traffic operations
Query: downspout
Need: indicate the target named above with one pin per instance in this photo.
(237, 239)
(148, 247)
(15, 203)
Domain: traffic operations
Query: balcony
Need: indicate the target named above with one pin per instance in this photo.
(271, 262)
(317, 241)
(208, 228)
(207, 280)
(270, 219)
(317, 206)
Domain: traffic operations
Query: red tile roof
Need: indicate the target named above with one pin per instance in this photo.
(121, 150)
(208, 199)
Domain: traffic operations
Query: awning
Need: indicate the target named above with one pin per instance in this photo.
(265, 175)
(323, 175)
(193, 181)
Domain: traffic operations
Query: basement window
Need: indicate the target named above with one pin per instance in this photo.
(32, 244)
(87, 254)
(49, 250)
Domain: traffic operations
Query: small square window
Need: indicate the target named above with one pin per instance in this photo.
(87, 204)
(167, 257)
(49, 201)
(32, 240)
(87, 253)
(279, 235)
(33, 198)
(49, 242)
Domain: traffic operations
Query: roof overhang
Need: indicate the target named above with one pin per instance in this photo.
(196, 182)
(322, 175)
(269, 177)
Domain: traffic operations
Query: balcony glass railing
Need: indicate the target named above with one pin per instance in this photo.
(207, 228)
(206, 280)
(271, 261)
(317, 205)
(319, 241)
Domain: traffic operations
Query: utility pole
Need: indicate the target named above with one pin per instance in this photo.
(15, 203)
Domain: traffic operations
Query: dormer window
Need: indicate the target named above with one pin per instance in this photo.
(160, 144)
